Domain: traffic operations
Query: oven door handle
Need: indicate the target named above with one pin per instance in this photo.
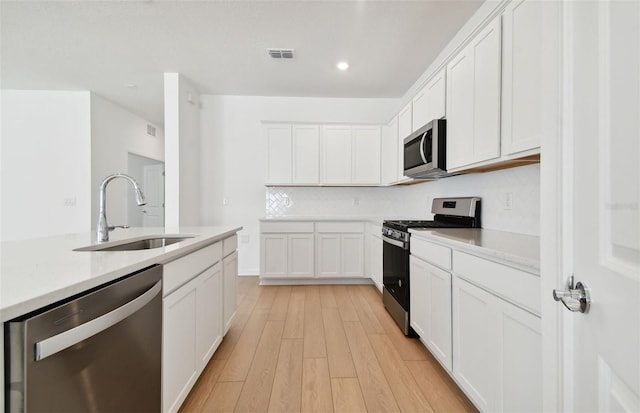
(394, 242)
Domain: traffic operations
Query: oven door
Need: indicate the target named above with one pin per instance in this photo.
(395, 270)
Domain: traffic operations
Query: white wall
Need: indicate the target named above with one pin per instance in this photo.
(233, 148)
(182, 151)
(46, 159)
(116, 132)
(414, 201)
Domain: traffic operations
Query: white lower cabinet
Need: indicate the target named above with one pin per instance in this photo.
(340, 255)
(287, 255)
(192, 331)
(497, 351)
(230, 274)
(300, 255)
(374, 256)
(199, 300)
(430, 301)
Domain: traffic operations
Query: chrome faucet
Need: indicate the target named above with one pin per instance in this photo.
(103, 228)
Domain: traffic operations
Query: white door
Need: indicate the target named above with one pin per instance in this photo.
(153, 188)
(600, 350)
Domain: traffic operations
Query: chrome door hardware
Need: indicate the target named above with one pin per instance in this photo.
(576, 298)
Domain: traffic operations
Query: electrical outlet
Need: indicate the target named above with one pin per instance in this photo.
(356, 200)
(69, 202)
(508, 201)
(225, 200)
(287, 201)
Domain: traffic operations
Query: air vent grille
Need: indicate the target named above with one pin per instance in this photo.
(281, 53)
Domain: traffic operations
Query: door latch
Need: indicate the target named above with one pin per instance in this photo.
(575, 298)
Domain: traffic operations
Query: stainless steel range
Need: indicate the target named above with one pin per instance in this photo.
(449, 213)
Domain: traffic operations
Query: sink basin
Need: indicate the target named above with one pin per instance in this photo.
(142, 243)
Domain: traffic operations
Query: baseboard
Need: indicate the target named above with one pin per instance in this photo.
(314, 281)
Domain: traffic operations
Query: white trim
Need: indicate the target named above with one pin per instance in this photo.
(553, 181)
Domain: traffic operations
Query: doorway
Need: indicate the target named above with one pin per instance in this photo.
(150, 175)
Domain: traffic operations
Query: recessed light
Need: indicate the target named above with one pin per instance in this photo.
(131, 85)
(342, 66)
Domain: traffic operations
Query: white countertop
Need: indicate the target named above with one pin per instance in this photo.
(38, 272)
(522, 251)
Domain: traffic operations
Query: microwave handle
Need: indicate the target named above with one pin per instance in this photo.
(424, 158)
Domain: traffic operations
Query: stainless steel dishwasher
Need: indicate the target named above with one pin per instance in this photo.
(96, 352)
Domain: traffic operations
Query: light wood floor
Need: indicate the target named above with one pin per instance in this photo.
(320, 349)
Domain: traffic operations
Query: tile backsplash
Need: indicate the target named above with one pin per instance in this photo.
(414, 201)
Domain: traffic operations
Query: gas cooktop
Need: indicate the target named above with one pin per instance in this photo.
(449, 213)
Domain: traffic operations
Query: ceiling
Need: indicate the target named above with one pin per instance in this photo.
(120, 49)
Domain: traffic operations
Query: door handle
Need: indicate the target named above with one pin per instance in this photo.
(576, 299)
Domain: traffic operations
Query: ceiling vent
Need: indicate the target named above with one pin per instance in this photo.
(281, 53)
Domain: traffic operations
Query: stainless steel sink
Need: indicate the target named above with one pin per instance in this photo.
(140, 243)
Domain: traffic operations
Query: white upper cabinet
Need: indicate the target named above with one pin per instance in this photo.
(365, 141)
(522, 69)
(278, 138)
(336, 154)
(306, 154)
(429, 102)
(389, 153)
(405, 122)
(473, 100)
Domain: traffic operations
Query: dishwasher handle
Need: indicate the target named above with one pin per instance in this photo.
(59, 342)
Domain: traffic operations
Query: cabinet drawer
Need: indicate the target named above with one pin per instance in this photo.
(340, 227)
(229, 245)
(433, 253)
(178, 272)
(286, 227)
(519, 287)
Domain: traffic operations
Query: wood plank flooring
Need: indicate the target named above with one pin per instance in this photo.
(320, 349)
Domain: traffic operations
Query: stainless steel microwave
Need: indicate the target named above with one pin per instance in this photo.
(425, 151)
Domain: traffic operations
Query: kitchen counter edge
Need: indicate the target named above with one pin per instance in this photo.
(122, 263)
(517, 250)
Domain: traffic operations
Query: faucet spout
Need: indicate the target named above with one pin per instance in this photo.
(102, 229)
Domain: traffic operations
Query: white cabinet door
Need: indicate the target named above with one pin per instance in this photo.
(438, 297)
(306, 154)
(430, 301)
(278, 137)
(365, 141)
(474, 338)
(301, 251)
(473, 100)
(352, 255)
(230, 275)
(405, 123)
(497, 351)
(418, 296)
(273, 255)
(179, 361)
(520, 341)
(208, 314)
(429, 102)
(336, 154)
(328, 255)
(389, 153)
(376, 262)
(522, 70)
(436, 96)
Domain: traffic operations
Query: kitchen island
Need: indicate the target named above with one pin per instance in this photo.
(198, 288)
